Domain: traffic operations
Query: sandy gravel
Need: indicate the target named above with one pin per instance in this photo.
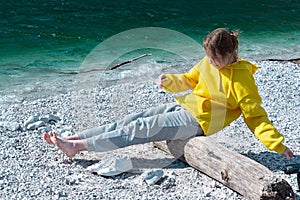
(31, 169)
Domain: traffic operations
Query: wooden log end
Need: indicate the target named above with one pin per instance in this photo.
(277, 189)
(173, 147)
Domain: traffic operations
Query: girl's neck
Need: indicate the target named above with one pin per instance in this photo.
(233, 59)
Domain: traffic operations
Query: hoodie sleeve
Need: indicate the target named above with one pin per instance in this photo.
(181, 82)
(255, 115)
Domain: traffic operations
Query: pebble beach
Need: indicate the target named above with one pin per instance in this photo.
(32, 169)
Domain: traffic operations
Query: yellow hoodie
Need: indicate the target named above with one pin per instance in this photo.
(219, 97)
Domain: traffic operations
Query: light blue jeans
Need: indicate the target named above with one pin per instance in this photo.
(165, 122)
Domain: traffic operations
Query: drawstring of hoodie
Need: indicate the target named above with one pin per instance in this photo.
(220, 82)
(230, 82)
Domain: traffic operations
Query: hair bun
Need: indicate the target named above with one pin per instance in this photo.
(234, 34)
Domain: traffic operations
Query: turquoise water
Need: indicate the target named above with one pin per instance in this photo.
(45, 42)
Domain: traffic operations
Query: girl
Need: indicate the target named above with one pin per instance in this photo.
(223, 88)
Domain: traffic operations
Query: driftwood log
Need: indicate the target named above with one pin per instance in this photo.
(129, 61)
(241, 174)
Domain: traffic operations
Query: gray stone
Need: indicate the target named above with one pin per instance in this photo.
(35, 125)
(152, 176)
(66, 133)
(54, 118)
(11, 126)
(44, 119)
(32, 119)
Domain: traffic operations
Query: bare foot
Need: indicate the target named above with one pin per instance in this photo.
(66, 146)
(46, 137)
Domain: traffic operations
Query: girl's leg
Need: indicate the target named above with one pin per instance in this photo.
(97, 131)
(164, 108)
(171, 125)
(127, 119)
(116, 125)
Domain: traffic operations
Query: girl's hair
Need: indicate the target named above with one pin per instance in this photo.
(221, 41)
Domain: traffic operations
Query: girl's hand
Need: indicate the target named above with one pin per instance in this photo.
(162, 78)
(288, 153)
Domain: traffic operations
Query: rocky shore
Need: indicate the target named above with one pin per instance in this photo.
(31, 169)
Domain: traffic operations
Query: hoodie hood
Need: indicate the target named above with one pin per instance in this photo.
(239, 65)
(242, 65)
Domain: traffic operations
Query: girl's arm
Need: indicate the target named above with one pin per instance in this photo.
(255, 116)
(258, 122)
(179, 82)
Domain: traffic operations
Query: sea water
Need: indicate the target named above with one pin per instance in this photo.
(47, 47)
